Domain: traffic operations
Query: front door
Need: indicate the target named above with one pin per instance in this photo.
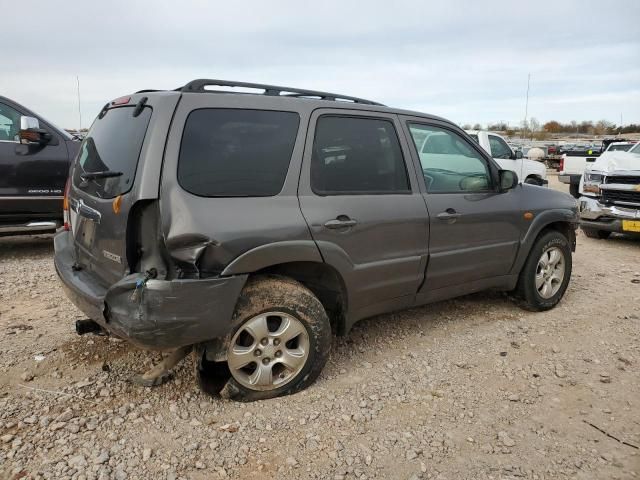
(32, 177)
(474, 229)
(364, 208)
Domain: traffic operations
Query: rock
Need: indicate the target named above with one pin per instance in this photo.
(104, 392)
(146, 454)
(411, 454)
(26, 376)
(555, 349)
(559, 371)
(200, 465)
(65, 416)
(103, 457)
(292, 462)
(514, 397)
(77, 461)
(505, 439)
(31, 420)
(7, 438)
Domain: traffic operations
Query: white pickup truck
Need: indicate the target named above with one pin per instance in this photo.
(573, 163)
(529, 171)
(610, 194)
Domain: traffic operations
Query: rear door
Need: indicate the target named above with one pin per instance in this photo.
(118, 164)
(32, 177)
(474, 230)
(363, 206)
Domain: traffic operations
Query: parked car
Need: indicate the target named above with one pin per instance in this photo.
(530, 171)
(573, 163)
(254, 225)
(610, 194)
(35, 157)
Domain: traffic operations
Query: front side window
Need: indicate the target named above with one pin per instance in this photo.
(355, 155)
(499, 148)
(449, 163)
(236, 153)
(9, 124)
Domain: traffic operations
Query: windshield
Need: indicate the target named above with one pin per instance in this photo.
(112, 148)
(622, 147)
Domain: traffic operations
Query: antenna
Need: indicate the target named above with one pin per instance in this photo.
(79, 109)
(526, 105)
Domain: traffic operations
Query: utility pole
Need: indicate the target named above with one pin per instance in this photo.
(79, 109)
(526, 105)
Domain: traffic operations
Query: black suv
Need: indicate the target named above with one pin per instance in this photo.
(252, 226)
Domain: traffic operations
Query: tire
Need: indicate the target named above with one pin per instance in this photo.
(574, 190)
(533, 181)
(595, 233)
(533, 296)
(286, 306)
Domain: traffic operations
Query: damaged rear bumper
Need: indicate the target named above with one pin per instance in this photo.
(164, 314)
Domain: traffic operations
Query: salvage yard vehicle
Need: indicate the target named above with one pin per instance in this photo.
(254, 225)
(34, 163)
(530, 171)
(574, 162)
(610, 194)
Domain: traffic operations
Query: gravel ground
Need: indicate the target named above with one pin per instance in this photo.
(473, 388)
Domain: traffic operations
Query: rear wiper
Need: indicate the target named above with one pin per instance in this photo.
(103, 174)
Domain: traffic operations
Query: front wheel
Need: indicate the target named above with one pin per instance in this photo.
(546, 273)
(533, 181)
(281, 341)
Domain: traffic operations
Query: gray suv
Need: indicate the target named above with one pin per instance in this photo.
(253, 226)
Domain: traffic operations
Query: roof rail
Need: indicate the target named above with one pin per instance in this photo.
(272, 90)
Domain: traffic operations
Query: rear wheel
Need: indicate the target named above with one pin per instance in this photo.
(595, 233)
(546, 273)
(281, 341)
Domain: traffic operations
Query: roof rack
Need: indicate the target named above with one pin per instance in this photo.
(272, 90)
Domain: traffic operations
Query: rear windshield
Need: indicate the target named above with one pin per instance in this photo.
(236, 153)
(621, 147)
(112, 146)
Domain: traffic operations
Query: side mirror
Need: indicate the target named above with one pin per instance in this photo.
(31, 133)
(519, 154)
(508, 180)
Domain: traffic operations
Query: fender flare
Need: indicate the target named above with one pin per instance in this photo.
(273, 254)
(541, 220)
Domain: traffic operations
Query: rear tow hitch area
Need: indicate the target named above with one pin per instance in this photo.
(87, 326)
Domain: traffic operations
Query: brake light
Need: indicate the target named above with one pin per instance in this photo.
(65, 206)
(562, 163)
(121, 101)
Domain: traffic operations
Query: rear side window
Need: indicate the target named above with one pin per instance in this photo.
(236, 153)
(354, 155)
(108, 158)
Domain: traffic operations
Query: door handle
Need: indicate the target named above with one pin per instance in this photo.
(341, 222)
(448, 215)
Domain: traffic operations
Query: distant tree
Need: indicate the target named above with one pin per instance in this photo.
(477, 126)
(466, 126)
(552, 127)
(534, 124)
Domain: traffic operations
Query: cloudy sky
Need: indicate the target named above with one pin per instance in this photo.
(464, 60)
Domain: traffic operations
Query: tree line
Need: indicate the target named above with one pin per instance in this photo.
(533, 128)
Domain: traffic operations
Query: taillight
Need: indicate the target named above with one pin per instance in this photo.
(65, 206)
(562, 163)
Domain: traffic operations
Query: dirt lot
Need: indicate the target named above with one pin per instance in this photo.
(474, 388)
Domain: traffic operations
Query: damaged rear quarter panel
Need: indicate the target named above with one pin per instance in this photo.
(205, 234)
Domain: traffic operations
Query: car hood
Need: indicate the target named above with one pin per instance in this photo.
(616, 161)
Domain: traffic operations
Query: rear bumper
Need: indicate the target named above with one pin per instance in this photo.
(596, 215)
(164, 314)
(569, 179)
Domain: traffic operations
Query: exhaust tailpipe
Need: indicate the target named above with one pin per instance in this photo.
(87, 326)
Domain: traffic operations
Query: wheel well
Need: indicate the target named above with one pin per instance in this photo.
(565, 229)
(324, 281)
(537, 178)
